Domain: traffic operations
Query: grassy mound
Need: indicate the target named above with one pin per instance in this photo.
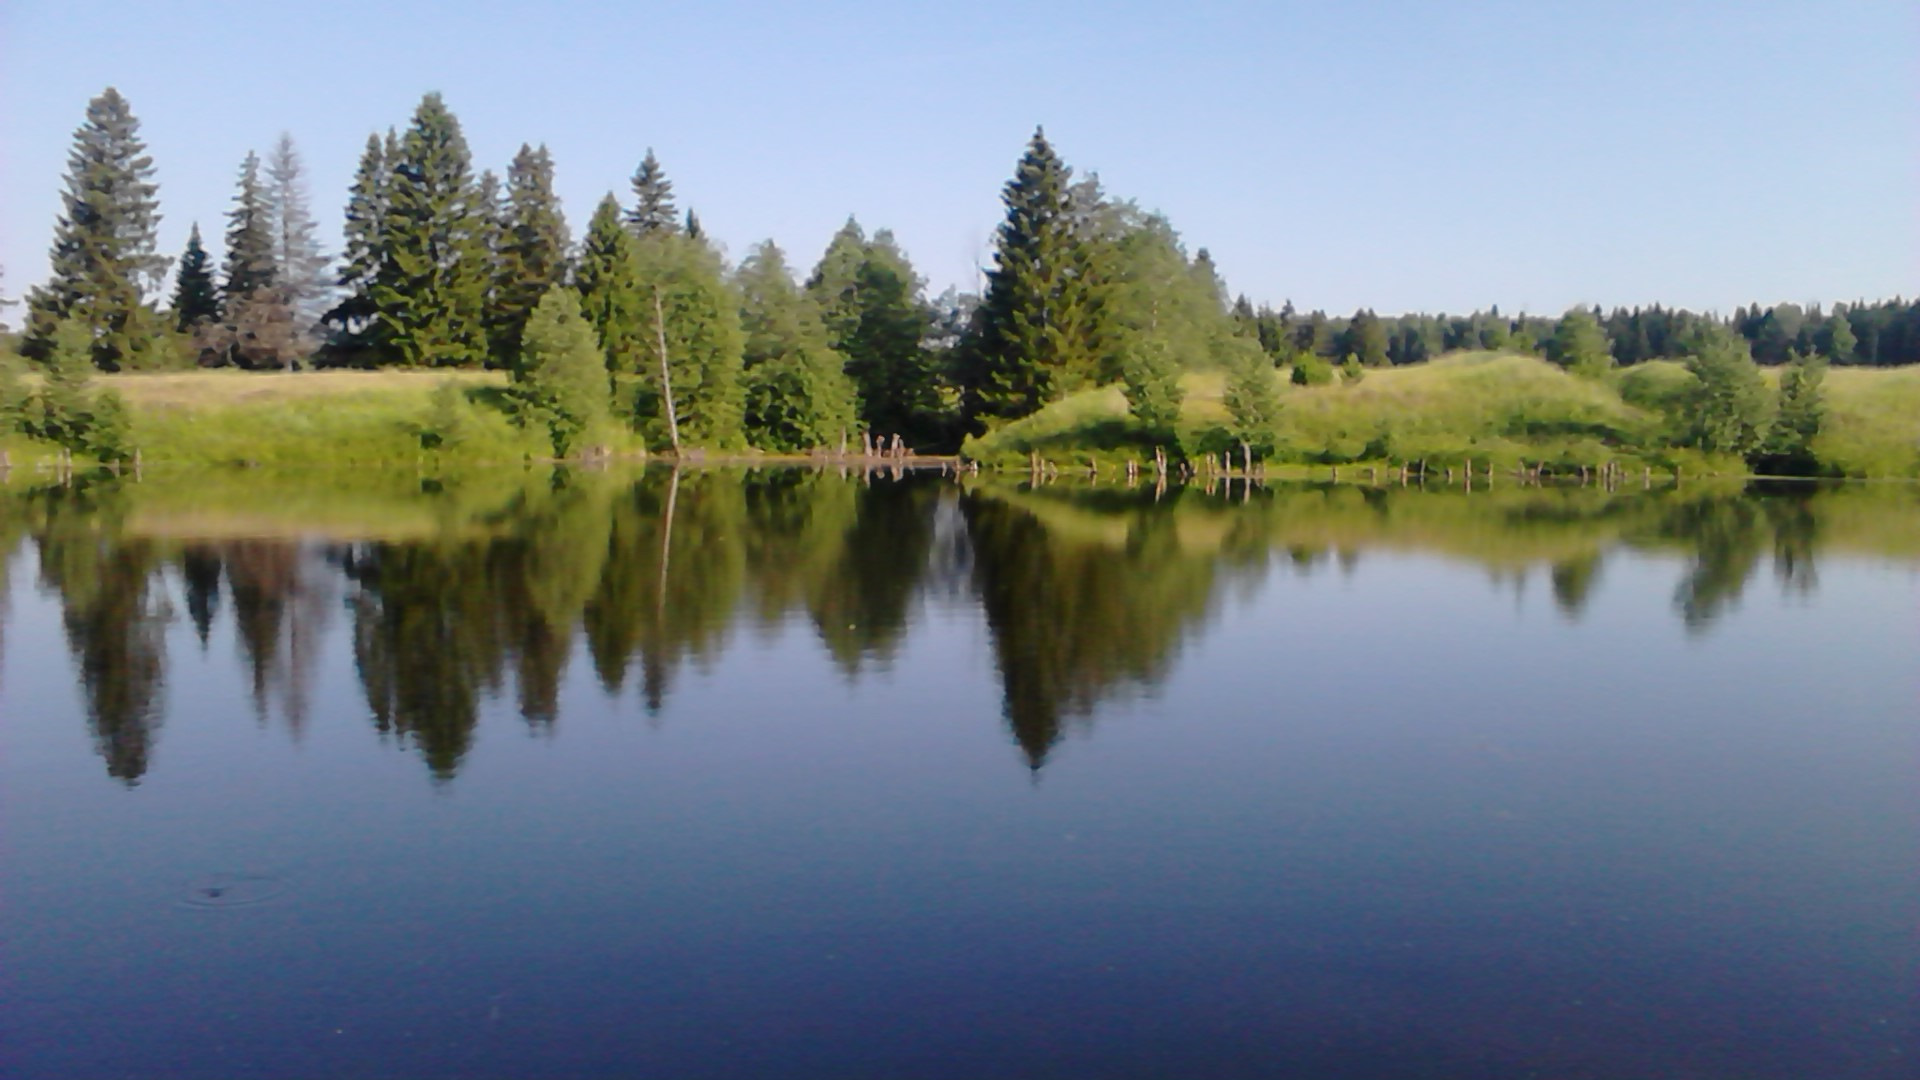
(1488, 408)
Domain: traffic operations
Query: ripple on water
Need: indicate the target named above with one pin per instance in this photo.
(232, 890)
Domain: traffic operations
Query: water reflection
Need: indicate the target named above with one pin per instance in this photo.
(480, 589)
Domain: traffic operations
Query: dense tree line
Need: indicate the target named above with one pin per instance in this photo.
(445, 265)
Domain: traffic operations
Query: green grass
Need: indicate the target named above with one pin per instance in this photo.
(1488, 408)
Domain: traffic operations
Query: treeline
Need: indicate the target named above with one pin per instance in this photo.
(643, 329)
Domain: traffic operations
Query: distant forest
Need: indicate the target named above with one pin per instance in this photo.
(643, 324)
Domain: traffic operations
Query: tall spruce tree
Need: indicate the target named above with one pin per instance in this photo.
(353, 316)
(429, 294)
(196, 297)
(248, 267)
(533, 250)
(299, 264)
(798, 395)
(608, 280)
(1036, 338)
(653, 210)
(104, 262)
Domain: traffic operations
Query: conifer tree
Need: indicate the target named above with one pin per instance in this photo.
(798, 395)
(533, 250)
(608, 280)
(1837, 340)
(1800, 414)
(834, 283)
(299, 264)
(652, 199)
(103, 261)
(1036, 331)
(248, 267)
(196, 298)
(561, 378)
(1252, 395)
(360, 258)
(429, 292)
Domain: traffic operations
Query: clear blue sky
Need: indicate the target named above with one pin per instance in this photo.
(1403, 156)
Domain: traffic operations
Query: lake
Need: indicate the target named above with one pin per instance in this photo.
(787, 773)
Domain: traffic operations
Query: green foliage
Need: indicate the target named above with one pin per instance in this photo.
(1580, 345)
(445, 426)
(686, 303)
(1352, 372)
(532, 256)
(1837, 340)
(1730, 409)
(876, 316)
(354, 316)
(1151, 380)
(653, 210)
(1036, 339)
(1311, 369)
(13, 396)
(108, 436)
(798, 395)
(103, 262)
(1252, 395)
(1367, 338)
(608, 279)
(1799, 415)
(429, 293)
(249, 262)
(561, 378)
(196, 298)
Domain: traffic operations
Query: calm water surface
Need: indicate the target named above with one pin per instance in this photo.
(783, 774)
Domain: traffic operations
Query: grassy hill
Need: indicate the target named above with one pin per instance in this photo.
(1479, 406)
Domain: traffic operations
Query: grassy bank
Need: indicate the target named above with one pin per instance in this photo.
(1485, 407)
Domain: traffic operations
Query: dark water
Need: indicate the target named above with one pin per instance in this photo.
(787, 775)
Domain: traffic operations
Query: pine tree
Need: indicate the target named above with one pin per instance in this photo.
(561, 378)
(299, 264)
(103, 258)
(533, 250)
(652, 199)
(365, 245)
(1035, 340)
(798, 395)
(250, 241)
(608, 280)
(1580, 345)
(429, 292)
(196, 298)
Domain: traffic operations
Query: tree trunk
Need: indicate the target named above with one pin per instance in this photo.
(666, 376)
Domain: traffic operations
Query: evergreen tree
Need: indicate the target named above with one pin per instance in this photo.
(365, 247)
(249, 263)
(299, 265)
(196, 299)
(1367, 338)
(61, 411)
(797, 393)
(533, 250)
(652, 199)
(1035, 341)
(1311, 369)
(608, 279)
(561, 377)
(694, 231)
(834, 284)
(103, 261)
(1580, 345)
(1351, 372)
(1150, 378)
(429, 292)
(1837, 340)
